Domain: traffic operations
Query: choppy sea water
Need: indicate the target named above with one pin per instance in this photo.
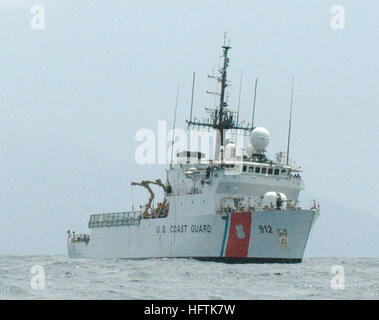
(184, 279)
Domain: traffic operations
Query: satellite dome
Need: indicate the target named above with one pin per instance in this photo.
(230, 151)
(260, 139)
(283, 198)
(249, 150)
(269, 199)
(272, 199)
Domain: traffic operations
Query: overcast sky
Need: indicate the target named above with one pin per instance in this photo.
(101, 70)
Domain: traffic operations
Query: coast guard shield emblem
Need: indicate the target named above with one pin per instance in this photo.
(240, 233)
(237, 235)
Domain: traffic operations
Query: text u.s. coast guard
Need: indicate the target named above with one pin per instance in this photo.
(183, 228)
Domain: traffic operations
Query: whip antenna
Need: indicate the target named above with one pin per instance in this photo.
(239, 99)
(289, 124)
(255, 97)
(193, 89)
(173, 129)
(131, 187)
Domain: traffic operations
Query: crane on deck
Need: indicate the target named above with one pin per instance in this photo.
(162, 209)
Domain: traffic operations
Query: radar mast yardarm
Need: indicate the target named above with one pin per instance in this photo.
(222, 119)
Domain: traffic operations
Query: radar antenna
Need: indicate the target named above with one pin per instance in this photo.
(221, 118)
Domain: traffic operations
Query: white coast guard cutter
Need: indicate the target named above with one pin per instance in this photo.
(230, 209)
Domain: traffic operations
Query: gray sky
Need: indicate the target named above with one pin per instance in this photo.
(101, 70)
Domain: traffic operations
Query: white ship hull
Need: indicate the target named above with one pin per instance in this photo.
(278, 236)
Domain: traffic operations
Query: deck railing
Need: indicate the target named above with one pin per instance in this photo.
(297, 205)
(73, 237)
(115, 219)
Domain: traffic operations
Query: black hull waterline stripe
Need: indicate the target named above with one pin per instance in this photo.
(249, 260)
(228, 259)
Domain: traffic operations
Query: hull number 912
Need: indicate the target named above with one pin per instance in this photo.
(265, 229)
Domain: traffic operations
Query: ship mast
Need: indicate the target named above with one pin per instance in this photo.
(221, 118)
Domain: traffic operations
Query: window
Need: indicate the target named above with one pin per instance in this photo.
(284, 172)
(264, 170)
(257, 169)
(270, 171)
(251, 169)
(244, 169)
(276, 172)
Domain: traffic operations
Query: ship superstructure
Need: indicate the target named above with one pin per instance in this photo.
(233, 208)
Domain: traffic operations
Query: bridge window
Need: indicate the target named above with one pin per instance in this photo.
(270, 171)
(251, 169)
(276, 172)
(284, 171)
(264, 170)
(257, 169)
(244, 169)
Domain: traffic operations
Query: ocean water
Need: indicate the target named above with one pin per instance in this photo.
(64, 278)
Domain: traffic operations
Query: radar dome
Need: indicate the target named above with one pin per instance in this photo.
(283, 198)
(269, 199)
(249, 150)
(272, 199)
(260, 139)
(230, 151)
